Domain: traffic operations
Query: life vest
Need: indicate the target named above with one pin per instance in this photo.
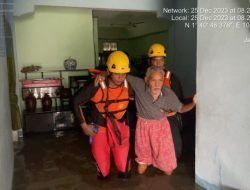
(94, 72)
(114, 99)
(167, 77)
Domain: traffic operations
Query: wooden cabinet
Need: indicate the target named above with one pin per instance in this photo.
(61, 116)
(48, 121)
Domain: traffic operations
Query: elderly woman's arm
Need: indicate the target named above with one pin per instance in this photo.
(134, 82)
(172, 103)
(189, 106)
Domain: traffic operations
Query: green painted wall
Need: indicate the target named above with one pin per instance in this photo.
(139, 46)
(136, 47)
(52, 34)
(95, 33)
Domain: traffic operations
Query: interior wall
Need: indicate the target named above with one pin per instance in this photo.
(182, 49)
(109, 33)
(53, 34)
(180, 43)
(27, 6)
(223, 86)
(150, 26)
(6, 146)
(95, 31)
(137, 47)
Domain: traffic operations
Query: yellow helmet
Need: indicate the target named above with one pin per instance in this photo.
(118, 62)
(156, 50)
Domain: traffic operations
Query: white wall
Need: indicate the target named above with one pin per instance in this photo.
(27, 6)
(223, 86)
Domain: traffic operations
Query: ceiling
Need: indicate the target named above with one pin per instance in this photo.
(124, 19)
(127, 24)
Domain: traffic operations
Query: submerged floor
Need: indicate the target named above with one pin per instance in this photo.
(62, 161)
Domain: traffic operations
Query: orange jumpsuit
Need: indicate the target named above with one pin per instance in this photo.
(113, 134)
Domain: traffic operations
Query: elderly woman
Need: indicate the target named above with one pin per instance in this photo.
(153, 138)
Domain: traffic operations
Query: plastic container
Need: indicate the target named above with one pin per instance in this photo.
(95, 128)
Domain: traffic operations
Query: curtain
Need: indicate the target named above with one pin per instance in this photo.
(7, 17)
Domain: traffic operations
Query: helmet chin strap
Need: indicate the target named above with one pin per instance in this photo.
(112, 84)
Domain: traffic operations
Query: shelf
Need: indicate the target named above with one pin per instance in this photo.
(52, 71)
(60, 117)
(56, 70)
(54, 109)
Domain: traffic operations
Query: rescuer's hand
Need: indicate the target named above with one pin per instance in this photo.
(169, 114)
(88, 129)
(99, 78)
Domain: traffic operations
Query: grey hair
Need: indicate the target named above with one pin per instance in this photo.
(152, 69)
